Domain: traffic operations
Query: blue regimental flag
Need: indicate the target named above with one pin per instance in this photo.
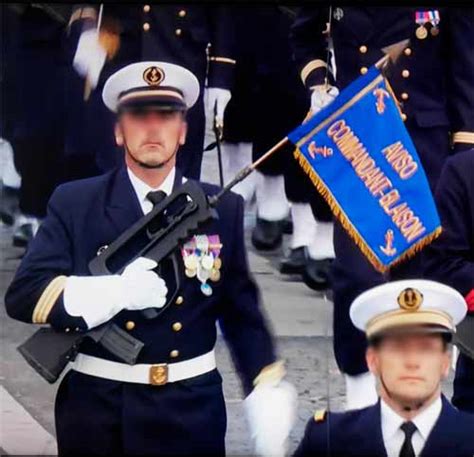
(360, 157)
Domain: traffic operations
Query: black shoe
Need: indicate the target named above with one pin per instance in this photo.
(9, 205)
(316, 274)
(295, 261)
(23, 235)
(267, 235)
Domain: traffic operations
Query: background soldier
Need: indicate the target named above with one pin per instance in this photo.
(432, 79)
(175, 33)
(172, 397)
(409, 325)
(268, 101)
(450, 258)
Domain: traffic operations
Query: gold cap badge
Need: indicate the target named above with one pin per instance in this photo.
(410, 299)
(153, 76)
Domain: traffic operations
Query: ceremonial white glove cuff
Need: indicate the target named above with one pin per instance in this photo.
(214, 96)
(99, 298)
(322, 96)
(271, 413)
(90, 56)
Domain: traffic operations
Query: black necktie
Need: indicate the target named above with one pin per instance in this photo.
(409, 428)
(155, 196)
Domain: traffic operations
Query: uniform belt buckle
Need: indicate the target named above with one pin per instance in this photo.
(159, 374)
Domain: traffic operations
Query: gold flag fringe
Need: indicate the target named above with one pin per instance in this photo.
(347, 224)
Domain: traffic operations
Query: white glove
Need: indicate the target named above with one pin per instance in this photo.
(214, 96)
(90, 56)
(322, 96)
(99, 298)
(271, 413)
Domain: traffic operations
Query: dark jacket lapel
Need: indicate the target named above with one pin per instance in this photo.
(123, 207)
(442, 439)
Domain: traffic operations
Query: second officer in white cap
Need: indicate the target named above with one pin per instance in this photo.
(409, 325)
(171, 401)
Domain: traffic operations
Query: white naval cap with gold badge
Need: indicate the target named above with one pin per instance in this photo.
(409, 303)
(159, 84)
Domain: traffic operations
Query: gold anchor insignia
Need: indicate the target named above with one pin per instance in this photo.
(324, 151)
(380, 94)
(388, 249)
(410, 299)
(153, 76)
(159, 374)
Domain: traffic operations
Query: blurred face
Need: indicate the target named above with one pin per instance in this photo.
(410, 367)
(151, 138)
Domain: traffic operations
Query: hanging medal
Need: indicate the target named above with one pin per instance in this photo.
(190, 259)
(435, 22)
(215, 247)
(205, 263)
(420, 18)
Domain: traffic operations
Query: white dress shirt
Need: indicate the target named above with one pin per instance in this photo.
(393, 436)
(141, 188)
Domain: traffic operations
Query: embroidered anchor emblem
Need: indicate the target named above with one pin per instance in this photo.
(380, 94)
(324, 151)
(388, 249)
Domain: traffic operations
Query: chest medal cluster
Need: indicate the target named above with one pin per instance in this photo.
(422, 18)
(201, 260)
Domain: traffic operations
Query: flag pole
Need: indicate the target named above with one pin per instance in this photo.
(242, 174)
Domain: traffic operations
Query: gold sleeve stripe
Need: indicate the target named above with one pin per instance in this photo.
(310, 66)
(48, 299)
(223, 60)
(463, 137)
(274, 372)
(83, 13)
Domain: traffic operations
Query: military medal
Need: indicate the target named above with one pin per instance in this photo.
(421, 32)
(190, 273)
(206, 289)
(435, 19)
(191, 262)
(421, 19)
(214, 275)
(207, 261)
(201, 260)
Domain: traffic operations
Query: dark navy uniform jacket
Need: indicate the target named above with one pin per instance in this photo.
(87, 214)
(358, 433)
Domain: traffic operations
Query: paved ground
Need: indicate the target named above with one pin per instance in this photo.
(300, 317)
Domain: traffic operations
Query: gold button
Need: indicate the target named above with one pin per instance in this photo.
(146, 26)
(405, 73)
(178, 32)
(130, 325)
(182, 13)
(363, 70)
(407, 51)
(177, 326)
(146, 8)
(174, 353)
(404, 117)
(404, 96)
(363, 49)
(179, 300)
